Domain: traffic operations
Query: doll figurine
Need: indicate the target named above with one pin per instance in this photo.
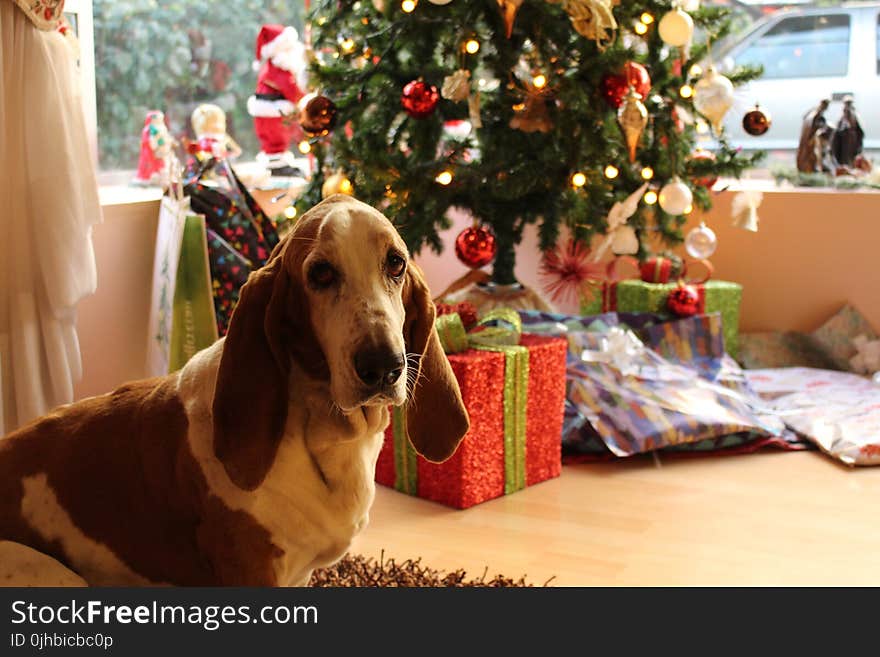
(212, 140)
(156, 144)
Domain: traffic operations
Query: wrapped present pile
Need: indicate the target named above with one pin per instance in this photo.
(838, 411)
(661, 287)
(513, 386)
(846, 341)
(637, 383)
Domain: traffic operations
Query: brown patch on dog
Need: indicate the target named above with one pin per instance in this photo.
(270, 325)
(121, 467)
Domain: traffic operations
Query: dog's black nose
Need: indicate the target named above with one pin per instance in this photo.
(378, 366)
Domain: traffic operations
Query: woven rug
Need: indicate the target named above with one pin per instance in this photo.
(355, 570)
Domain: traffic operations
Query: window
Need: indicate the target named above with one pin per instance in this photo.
(79, 14)
(173, 56)
(802, 47)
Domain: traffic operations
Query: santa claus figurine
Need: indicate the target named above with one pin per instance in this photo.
(281, 58)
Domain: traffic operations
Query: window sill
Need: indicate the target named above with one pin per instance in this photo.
(113, 195)
(116, 195)
(769, 186)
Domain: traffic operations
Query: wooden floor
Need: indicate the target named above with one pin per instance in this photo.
(762, 519)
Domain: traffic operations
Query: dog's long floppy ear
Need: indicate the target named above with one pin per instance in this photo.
(436, 418)
(251, 395)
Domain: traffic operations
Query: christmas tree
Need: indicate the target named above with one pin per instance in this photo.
(573, 105)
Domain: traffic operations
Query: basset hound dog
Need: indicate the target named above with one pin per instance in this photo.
(254, 464)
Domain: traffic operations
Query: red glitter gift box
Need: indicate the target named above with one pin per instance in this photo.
(488, 463)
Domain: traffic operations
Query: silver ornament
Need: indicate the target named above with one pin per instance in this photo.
(701, 242)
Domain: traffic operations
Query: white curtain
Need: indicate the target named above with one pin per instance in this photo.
(48, 204)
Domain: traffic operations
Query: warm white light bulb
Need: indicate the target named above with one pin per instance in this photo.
(540, 81)
(304, 147)
(686, 91)
(578, 179)
(472, 46)
(408, 5)
(650, 197)
(290, 212)
(647, 173)
(611, 171)
(444, 177)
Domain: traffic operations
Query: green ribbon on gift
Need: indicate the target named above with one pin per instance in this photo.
(500, 331)
(405, 463)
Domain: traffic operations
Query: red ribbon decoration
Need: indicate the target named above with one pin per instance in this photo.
(710, 270)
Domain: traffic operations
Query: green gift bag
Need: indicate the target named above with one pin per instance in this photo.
(182, 319)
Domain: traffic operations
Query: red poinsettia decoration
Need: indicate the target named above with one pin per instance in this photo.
(566, 270)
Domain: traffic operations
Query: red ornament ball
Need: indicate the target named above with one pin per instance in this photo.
(317, 115)
(615, 85)
(684, 301)
(419, 99)
(475, 246)
(756, 122)
(709, 156)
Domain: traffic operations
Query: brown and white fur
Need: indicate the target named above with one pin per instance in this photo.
(254, 464)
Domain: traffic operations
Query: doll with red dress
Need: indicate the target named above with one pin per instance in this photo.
(156, 144)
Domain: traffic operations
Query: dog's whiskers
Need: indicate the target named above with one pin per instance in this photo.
(413, 374)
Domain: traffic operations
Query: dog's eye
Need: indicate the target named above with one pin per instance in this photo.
(395, 265)
(322, 274)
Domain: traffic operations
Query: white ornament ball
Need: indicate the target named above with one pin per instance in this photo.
(676, 28)
(701, 242)
(713, 97)
(625, 241)
(675, 197)
(439, 2)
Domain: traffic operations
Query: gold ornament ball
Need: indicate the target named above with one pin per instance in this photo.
(336, 183)
(676, 28)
